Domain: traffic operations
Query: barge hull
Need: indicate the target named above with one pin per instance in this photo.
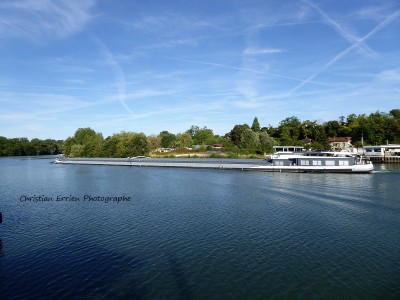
(215, 164)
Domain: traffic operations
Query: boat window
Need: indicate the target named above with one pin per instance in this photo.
(343, 162)
(304, 162)
(317, 163)
(329, 163)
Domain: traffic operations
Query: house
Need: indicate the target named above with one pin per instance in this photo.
(382, 150)
(164, 150)
(307, 141)
(340, 143)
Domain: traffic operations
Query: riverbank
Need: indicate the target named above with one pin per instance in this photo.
(385, 159)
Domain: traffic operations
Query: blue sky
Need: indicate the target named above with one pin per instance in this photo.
(149, 66)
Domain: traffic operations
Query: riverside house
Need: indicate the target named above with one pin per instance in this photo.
(340, 143)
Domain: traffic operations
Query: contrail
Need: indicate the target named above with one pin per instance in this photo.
(379, 27)
(350, 38)
(382, 25)
(118, 73)
(244, 69)
(56, 87)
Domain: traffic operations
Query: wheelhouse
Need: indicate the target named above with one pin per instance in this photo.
(288, 149)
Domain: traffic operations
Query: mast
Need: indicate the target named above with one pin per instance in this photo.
(362, 141)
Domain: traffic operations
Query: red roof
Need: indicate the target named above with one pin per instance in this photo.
(341, 139)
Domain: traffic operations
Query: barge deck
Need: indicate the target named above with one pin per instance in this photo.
(210, 163)
(197, 163)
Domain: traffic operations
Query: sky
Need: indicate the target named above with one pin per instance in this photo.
(154, 65)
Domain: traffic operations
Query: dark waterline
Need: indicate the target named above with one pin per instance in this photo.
(197, 234)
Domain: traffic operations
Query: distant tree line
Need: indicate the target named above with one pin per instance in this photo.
(376, 128)
(24, 147)
(88, 143)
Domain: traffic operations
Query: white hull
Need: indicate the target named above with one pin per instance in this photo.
(367, 168)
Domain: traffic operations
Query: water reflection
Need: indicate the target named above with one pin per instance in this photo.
(179, 277)
(1, 267)
(198, 234)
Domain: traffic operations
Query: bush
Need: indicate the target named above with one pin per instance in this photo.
(233, 155)
(214, 155)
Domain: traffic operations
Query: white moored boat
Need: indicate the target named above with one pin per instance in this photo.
(294, 159)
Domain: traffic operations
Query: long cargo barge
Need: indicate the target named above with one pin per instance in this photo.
(198, 163)
(287, 164)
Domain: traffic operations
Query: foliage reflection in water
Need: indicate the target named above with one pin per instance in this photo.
(198, 233)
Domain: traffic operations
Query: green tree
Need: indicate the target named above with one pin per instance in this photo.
(83, 135)
(395, 113)
(167, 139)
(139, 145)
(126, 144)
(333, 129)
(110, 146)
(51, 147)
(321, 140)
(193, 130)
(307, 129)
(85, 143)
(76, 150)
(203, 136)
(289, 130)
(154, 141)
(184, 140)
(285, 136)
(256, 125)
(93, 147)
(4, 146)
(266, 142)
(19, 147)
(249, 140)
(37, 146)
(236, 133)
(68, 143)
(394, 131)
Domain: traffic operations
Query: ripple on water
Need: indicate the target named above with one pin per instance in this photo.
(200, 234)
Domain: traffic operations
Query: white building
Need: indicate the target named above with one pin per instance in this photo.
(382, 150)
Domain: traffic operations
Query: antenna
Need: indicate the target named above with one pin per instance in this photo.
(362, 138)
(362, 141)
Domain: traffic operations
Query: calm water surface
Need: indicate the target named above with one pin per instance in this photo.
(197, 234)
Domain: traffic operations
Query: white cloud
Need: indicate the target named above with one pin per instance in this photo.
(392, 76)
(67, 65)
(172, 24)
(258, 51)
(248, 104)
(376, 13)
(36, 19)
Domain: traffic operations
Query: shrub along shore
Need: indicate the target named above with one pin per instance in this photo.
(242, 141)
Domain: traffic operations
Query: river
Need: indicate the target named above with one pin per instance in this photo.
(112, 232)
